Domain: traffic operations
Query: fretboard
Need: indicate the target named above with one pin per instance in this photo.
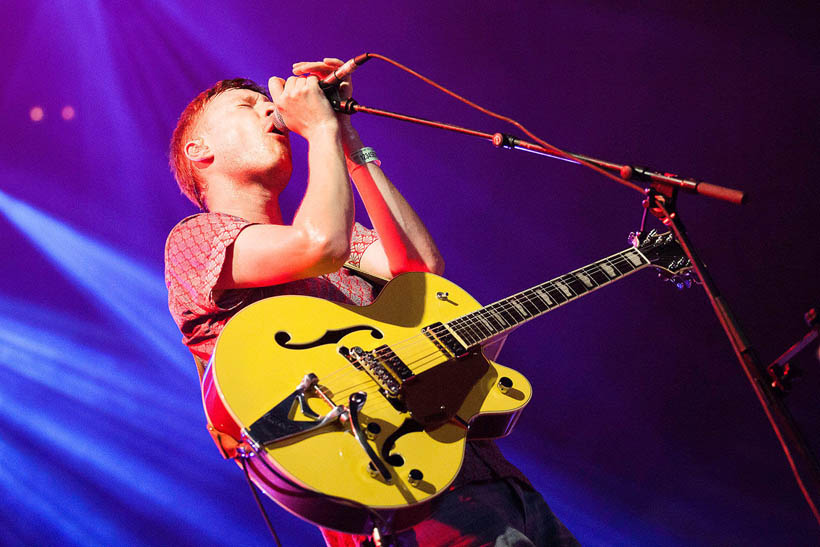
(500, 317)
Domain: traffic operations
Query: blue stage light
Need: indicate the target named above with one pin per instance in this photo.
(128, 289)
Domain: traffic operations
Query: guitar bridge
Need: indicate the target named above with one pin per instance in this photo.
(382, 365)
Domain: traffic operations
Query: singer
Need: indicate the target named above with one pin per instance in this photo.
(231, 156)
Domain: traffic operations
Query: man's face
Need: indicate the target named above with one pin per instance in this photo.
(238, 127)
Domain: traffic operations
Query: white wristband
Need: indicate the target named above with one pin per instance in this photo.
(363, 156)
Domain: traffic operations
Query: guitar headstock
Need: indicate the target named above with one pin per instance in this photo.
(667, 256)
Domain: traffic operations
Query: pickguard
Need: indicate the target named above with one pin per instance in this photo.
(331, 336)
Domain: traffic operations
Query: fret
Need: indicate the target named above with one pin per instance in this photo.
(478, 324)
(485, 324)
(544, 296)
(564, 288)
(495, 320)
(556, 294)
(517, 316)
(635, 258)
(516, 302)
(464, 332)
(588, 282)
(598, 275)
(575, 284)
(499, 317)
(622, 265)
(505, 314)
(607, 269)
(474, 330)
(533, 303)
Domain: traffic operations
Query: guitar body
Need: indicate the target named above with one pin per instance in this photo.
(324, 474)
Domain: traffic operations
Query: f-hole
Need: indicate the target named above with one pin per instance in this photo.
(329, 337)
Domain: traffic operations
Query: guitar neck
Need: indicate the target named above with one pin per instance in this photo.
(500, 317)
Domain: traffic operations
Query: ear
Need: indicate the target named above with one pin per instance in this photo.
(198, 152)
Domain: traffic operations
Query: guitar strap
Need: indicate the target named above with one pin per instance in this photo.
(375, 280)
(227, 445)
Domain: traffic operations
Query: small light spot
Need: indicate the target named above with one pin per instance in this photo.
(68, 112)
(36, 113)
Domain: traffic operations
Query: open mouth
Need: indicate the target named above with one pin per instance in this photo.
(271, 128)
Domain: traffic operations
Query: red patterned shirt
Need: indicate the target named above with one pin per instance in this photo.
(194, 256)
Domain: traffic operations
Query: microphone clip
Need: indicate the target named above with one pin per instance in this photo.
(345, 106)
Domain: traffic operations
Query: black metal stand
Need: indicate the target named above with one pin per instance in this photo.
(801, 459)
(660, 200)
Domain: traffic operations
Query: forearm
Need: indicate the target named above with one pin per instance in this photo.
(327, 211)
(405, 239)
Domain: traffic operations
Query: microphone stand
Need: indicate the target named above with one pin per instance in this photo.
(660, 198)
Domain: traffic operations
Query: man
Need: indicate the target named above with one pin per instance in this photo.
(231, 160)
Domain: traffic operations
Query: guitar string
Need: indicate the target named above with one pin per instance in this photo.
(478, 326)
(476, 323)
(420, 364)
(528, 296)
(423, 362)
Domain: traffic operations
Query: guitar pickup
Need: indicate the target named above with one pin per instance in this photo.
(444, 340)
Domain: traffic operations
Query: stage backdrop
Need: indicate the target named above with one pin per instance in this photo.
(643, 429)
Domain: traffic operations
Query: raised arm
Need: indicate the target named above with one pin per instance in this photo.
(318, 240)
(404, 242)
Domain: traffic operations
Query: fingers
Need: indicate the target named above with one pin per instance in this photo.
(302, 104)
(295, 83)
(275, 87)
(316, 68)
(320, 68)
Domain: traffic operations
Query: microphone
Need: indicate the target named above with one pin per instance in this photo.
(328, 84)
(338, 75)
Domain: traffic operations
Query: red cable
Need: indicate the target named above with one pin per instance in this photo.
(552, 149)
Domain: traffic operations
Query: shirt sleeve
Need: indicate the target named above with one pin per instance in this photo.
(194, 257)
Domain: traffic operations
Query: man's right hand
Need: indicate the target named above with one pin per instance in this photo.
(303, 106)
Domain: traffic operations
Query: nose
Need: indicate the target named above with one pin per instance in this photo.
(268, 108)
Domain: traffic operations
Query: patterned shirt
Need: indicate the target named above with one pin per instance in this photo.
(194, 256)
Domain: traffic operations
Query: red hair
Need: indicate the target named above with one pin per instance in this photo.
(184, 172)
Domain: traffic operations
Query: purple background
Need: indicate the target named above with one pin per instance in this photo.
(643, 429)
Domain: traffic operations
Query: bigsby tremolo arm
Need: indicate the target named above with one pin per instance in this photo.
(276, 424)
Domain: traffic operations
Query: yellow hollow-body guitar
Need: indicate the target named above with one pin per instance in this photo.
(358, 416)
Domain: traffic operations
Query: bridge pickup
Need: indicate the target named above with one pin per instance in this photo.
(389, 359)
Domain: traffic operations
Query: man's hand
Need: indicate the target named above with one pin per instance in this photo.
(322, 69)
(303, 105)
